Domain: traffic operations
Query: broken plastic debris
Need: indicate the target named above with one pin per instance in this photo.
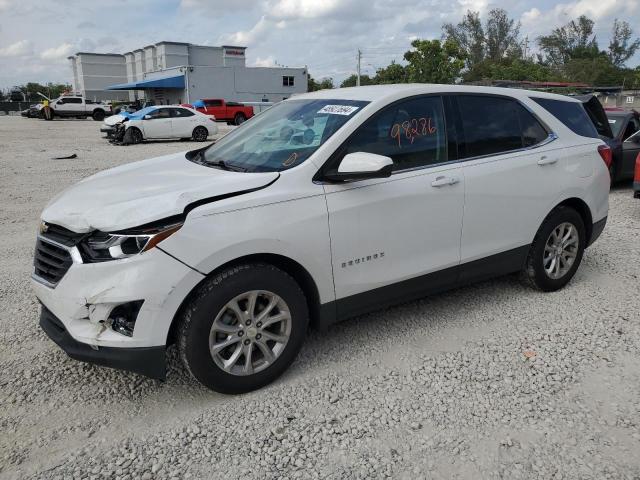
(529, 353)
(65, 157)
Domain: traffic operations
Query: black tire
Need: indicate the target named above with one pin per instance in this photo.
(534, 272)
(239, 119)
(613, 173)
(98, 115)
(200, 134)
(211, 297)
(132, 136)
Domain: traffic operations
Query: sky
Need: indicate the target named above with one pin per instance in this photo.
(37, 36)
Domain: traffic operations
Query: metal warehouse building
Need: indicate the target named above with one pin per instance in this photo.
(174, 72)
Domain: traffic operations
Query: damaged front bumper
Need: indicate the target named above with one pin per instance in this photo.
(147, 361)
(77, 311)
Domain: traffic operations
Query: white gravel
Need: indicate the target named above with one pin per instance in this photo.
(489, 381)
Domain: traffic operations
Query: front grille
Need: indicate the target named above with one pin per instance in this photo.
(61, 235)
(50, 261)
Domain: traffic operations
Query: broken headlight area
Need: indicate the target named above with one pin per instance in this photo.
(104, 246)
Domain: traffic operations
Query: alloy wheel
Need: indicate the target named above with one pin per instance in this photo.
(560, 250)
(250, 332)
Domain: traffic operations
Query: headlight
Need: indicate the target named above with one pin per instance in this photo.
(103, 246)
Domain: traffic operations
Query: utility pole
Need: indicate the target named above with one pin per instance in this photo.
(358, 68)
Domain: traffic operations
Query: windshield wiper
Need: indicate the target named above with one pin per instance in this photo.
(223, 165)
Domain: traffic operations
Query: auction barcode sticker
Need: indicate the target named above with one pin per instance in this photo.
(338, 109)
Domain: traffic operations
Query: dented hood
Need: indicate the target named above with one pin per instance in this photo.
(138, 193)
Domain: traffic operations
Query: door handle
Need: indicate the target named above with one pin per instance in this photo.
(544, 160)
(443, 181)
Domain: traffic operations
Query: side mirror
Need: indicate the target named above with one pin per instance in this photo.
(361, 166)
(147, 117)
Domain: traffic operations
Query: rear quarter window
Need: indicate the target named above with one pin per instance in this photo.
(571, 114)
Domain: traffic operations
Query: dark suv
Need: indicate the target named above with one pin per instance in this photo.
(625, 126)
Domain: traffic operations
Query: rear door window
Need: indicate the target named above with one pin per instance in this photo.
(532, 130)
(571, 114)
(412, 133)
(490, 125)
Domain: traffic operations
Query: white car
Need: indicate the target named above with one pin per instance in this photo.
(160, 122)
(325, 206)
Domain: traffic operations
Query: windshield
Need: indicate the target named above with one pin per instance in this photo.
(281, 137)
(144, 111)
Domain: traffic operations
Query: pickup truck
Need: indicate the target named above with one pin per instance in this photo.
(230, 112)
(78, 107)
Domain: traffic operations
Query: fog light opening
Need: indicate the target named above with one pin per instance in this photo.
(123, 317)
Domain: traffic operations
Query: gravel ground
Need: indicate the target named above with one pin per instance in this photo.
(490, 381)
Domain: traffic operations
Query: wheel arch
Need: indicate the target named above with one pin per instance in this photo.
(583, 210)
(286, 264)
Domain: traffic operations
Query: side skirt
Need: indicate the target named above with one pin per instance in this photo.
(496, 265)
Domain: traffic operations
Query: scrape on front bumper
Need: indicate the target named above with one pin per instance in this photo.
(148, 361)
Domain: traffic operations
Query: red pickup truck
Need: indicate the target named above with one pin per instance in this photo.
(230, 112)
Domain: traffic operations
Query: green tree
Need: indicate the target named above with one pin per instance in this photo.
(573, 40)
(509, 69)
(324, 84)
(469, 35)
(51, 90)
(621, 48)
(350, 81)
(392, 73)
(432, 61)
(502, 35)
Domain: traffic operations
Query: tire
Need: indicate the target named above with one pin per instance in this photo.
(208, 310)
(200, 134)
(543, 250)
(613, 173)
(98, 115)
(239, 119)
(132, 136)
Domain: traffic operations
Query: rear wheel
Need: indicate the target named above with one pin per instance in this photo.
(613, 172)
(239, 118)
(200, 134)
(243, 328)
(556, 251)
(98, 115)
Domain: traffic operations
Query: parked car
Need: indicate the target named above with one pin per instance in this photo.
(323, 207)
(73, 106)
(230, 112)
(636, 178)
(32, 112)
(625, 125)
(159, 122)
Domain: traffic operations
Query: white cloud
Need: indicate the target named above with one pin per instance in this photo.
(562, 13)
(18, 49)
(61, 51)
(265, 62)
(302, 8)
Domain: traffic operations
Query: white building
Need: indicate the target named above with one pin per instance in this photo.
(174, 72)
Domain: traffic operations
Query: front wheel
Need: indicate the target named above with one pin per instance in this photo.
(556, 252)
(200, 134)
(98, 115)
(243, 328)
(132, 136)
(239, 119)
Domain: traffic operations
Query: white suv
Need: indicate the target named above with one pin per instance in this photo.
(323, 207)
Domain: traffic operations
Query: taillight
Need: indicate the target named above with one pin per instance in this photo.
(636, 175)
(606, 153)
